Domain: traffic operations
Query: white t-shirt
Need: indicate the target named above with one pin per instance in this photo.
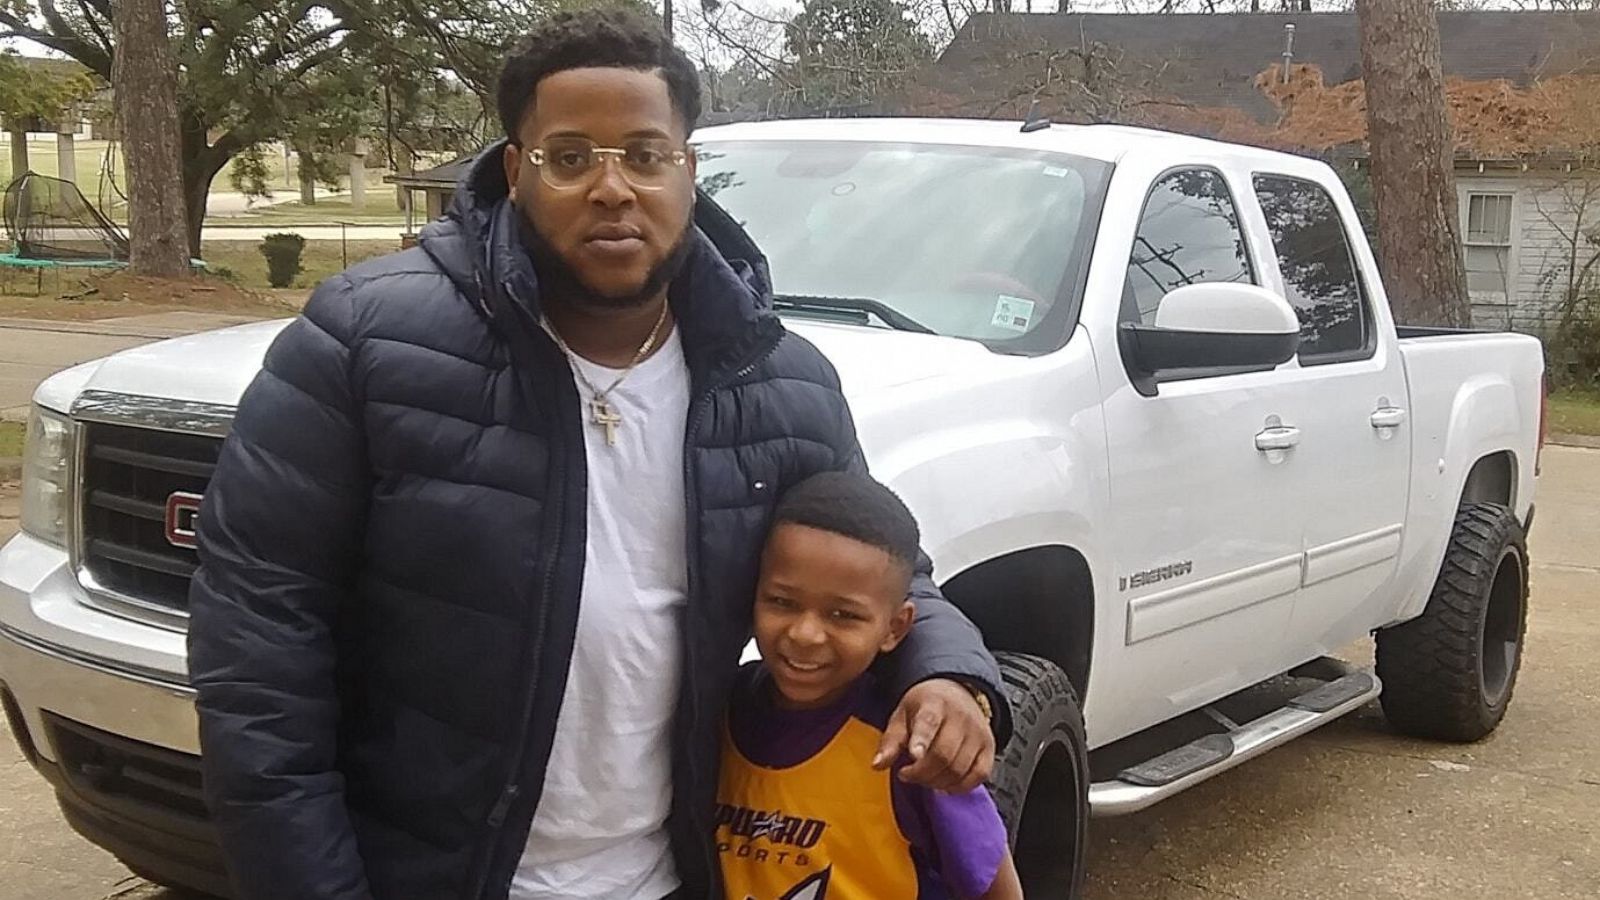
(600, 828)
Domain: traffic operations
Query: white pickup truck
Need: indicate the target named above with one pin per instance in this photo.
(1145, 393)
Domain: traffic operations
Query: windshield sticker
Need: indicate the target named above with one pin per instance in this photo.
(1012, 313)
(1057, 171)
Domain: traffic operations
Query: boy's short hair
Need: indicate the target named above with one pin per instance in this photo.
(857, 507)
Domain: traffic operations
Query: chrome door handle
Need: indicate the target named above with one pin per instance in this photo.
(1388, 417)
(1278, 437)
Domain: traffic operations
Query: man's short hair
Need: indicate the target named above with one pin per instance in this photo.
(613, 36)
(857, 507)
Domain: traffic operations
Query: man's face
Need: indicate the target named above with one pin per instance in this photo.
(614, 231)
(826, 606)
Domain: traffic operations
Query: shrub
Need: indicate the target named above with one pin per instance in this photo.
(283, 258)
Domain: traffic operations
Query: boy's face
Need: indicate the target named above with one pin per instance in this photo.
(826, 606)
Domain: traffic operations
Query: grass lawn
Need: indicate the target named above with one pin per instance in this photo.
(1575, 412)
(11, 434)
(320, 259)
(117, 295)
(380, 209)
(242, 289)
(90, 156)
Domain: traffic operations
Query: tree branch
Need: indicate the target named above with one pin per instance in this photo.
(316, 59)
(59, 25)
(281, 49)
(89, 8)
(69, 42)
(452, 54)
(770, 65)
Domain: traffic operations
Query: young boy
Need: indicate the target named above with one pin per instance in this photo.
(801, 812)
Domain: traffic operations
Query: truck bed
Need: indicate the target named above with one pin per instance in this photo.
(1473, 395)
(1407, 332)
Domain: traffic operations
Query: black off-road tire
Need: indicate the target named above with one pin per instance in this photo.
(1448, 674)
(1041, 778)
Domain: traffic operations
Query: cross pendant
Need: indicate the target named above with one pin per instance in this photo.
(606, 416)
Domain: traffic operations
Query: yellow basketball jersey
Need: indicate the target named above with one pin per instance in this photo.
(824, 829)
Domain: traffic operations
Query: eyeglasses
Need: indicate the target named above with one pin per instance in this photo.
(647, 163)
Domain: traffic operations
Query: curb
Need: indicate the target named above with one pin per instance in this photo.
(1584, 441)
(101, 327)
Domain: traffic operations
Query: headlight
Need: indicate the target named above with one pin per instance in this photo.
(47, 476)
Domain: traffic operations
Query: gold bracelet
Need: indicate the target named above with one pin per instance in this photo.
(982, 697)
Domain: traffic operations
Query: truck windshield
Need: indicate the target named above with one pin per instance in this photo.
(968, 242)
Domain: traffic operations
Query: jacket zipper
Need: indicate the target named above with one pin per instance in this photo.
(691, 494)
(508, 794)
(512, 790)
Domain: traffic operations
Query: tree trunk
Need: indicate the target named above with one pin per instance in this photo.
(1413, 152)
(145, 80)
(198, 173)
(308, 178)
(202, 161)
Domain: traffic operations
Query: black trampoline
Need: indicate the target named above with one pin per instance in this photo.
(51, 221)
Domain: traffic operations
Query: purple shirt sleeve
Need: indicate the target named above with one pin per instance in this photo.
(960, 834)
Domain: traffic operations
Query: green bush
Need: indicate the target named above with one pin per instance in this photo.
(1572, 342)
(283, 258)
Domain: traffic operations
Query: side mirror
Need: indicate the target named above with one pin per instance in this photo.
(1210, 329)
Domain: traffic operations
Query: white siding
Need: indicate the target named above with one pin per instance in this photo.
(1545, 215)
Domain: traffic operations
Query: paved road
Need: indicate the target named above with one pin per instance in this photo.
(1349, 813)
(309, 232)
(31, 351)
(223, 231)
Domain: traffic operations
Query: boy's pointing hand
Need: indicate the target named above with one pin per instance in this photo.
(944, 731)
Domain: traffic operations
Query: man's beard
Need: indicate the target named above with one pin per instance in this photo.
(560, 281)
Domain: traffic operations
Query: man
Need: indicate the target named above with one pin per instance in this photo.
(479, 556)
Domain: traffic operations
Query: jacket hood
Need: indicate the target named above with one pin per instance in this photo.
(722, 294)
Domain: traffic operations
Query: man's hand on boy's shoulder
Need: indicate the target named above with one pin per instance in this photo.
(944, 731)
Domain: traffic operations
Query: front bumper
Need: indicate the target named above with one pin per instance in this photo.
(100, 706)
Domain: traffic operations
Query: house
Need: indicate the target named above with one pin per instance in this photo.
(436, 185)
(1523, 88)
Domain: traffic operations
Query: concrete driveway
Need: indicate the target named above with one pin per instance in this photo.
(32, 350)
(1352, 812)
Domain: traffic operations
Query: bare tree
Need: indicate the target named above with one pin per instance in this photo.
(1556, 4)
(1569, 206)
(1225, 6)
(1087, 83)
(1413, 179)
(145, 81)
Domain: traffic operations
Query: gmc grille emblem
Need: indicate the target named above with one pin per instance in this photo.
(183, 513)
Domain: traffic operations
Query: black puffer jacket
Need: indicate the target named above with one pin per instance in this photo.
(393, 545)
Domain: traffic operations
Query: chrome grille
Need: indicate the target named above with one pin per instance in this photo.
(129, 474)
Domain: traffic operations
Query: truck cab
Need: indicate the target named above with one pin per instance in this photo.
(1143, 391)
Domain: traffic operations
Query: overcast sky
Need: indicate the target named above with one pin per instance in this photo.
(690, 24)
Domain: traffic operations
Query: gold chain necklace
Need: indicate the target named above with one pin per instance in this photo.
(601, 412)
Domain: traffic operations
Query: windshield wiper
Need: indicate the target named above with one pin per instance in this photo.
(892, 317)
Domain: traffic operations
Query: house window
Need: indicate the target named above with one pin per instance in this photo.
(1489, 219)
(1488, 247)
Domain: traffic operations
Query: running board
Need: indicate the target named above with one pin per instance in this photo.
(1145, 784)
